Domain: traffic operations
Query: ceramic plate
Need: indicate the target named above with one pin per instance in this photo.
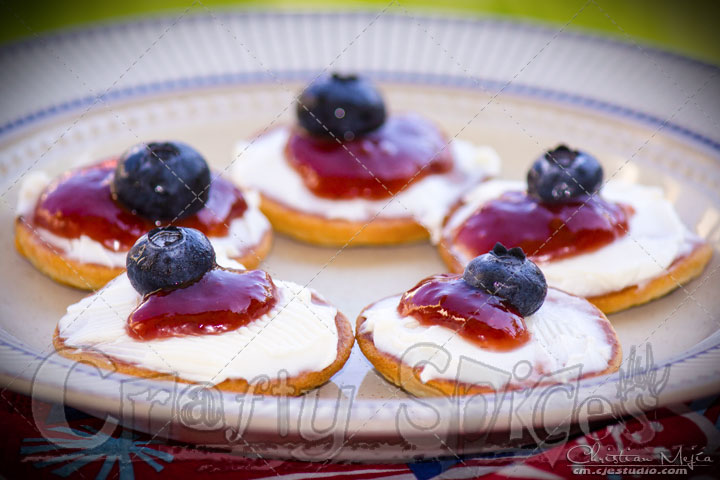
(213, 78)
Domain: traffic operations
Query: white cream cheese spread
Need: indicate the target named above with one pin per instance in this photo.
(262, 166)
(296, 336)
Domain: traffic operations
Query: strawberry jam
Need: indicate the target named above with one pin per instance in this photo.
(81, 203)
(222, 300)
(544, 231)
(373, 166)
(484, 319)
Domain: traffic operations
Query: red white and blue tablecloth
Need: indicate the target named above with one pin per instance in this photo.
(688, 434)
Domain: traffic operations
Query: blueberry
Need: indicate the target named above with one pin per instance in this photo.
(168, 257)
(162, 181)
(346, 106)
(563, 174)
(509, 275)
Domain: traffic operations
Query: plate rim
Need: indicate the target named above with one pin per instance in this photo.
(193, 83)
(229, 79)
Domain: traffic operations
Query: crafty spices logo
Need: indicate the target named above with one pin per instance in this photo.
(543, 409)
(154, 407)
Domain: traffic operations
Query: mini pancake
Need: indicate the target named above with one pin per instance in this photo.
(348, 181)
(291, 386)
(318, 230)
(408, 378)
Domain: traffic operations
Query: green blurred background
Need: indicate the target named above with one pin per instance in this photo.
(687, 27)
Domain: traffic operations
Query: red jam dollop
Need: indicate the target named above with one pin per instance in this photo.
(222, 300)
(81, 203)
(544, 231)
(373, 166)
(484, 319)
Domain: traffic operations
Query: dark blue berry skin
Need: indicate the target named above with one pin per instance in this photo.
(562, 175)
(166, 258)
(509, 275)
(344, 106)
(162, 181)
